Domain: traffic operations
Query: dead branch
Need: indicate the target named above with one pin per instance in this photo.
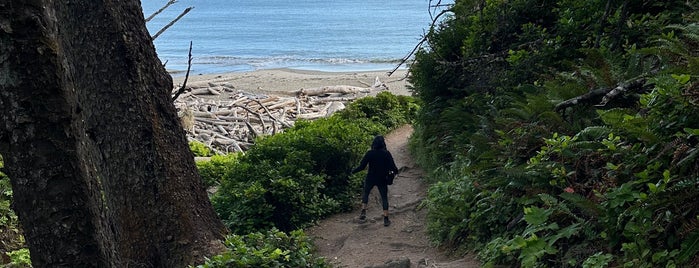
(169, 3)
(636, 85)
(589, 97)
(623, 88)
(419, 44)
(172, 22)
(189, 67)
(272, 116)
(332, 89)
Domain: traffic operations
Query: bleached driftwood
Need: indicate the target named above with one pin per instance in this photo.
(332, 89)
(232, 121)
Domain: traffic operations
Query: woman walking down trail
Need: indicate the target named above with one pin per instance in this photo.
(380, 163)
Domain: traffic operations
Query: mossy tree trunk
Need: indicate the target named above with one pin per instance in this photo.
(99, 165)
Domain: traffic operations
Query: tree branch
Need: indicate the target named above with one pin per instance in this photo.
(172, 22)
(419, 44)
(607, 95)
(161, 10)
(189, 67)
(589, 97)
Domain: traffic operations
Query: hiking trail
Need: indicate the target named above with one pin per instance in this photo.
(345, 242)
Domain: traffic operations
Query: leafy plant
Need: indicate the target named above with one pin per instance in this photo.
(271, 248)
(294, 178)
(212, 171)
(542, 153)
(199, 149)
(19, 258)
(11, 238)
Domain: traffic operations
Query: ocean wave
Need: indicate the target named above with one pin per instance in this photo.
(264, 61)
(222, 64)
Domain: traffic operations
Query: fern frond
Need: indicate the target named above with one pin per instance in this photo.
(594, 133)
(585, 145)
(690, 248)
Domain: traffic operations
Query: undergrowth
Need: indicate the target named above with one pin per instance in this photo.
(530, 169)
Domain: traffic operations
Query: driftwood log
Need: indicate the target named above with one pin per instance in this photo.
(228, 120)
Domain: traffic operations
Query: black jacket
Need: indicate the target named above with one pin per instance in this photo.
(380, 163)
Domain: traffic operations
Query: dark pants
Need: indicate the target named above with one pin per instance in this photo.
(369, 183)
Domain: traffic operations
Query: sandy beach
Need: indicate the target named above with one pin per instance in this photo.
(285, 81)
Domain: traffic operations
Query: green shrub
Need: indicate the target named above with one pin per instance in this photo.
(294, 178)
(11, 238)
(386, 110)
(212, 171)
(19, 258)
(272, 248)
(199, 149)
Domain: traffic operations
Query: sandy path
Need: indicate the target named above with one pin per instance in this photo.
(347, 243)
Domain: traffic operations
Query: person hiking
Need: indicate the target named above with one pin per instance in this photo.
(380, 163)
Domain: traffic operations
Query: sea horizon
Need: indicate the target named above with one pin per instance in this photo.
(247, 35)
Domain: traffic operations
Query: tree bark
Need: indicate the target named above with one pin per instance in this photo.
(100, 167)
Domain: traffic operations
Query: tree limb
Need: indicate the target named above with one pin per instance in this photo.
(607, 95)
(623, 88)
(270, 114)
(189, 67)
(161, 10)
(589, 97)
(419, 44)
(172, 22)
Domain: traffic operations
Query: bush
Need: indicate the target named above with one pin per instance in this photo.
(11, 238)
(291, 179)
(272, 248)
(214, 170)
(199, 149)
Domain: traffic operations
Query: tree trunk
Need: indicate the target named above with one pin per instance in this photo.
(100, 167)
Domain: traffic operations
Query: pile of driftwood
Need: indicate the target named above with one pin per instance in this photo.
(229, 120)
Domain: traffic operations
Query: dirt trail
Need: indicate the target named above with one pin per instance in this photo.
(344, 242)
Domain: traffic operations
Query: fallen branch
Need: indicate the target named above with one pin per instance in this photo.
(606, 94)
(332, 89)
(272, 116)
(623, 88)
(590, 97)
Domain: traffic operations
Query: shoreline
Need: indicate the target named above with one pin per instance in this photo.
(283, 81)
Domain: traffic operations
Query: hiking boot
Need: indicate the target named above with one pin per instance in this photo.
(362, 216)
(386, 221)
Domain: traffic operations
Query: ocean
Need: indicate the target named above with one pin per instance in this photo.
(321, 35)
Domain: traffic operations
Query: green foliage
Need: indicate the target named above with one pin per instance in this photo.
(212, 171)
(272, 248)
(19, 258)
(606, 181)
(294, 178)
(11, 239)
(386, 110)
(199, 149)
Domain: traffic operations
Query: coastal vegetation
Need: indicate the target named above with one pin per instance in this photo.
(568, 129)
(292, 179)
(556, 133)
(284, 183)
